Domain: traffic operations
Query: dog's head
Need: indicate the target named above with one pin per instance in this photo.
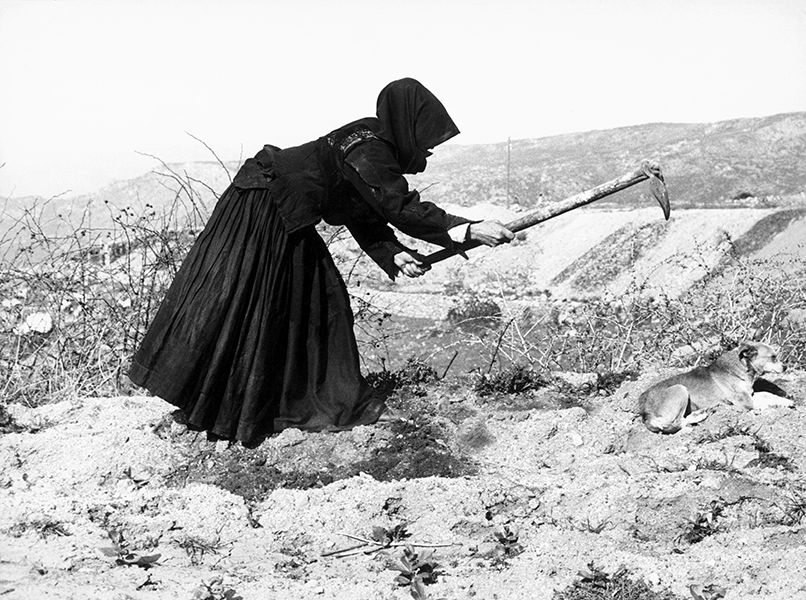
(760, 358)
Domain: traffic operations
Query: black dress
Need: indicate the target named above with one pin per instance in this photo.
(255, 334)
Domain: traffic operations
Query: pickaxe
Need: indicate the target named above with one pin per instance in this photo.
(648, 170)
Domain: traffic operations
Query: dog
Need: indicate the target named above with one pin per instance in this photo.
(687, 398)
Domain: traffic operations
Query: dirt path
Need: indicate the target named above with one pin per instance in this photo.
(572, 473)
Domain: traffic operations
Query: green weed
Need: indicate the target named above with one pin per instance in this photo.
(704, 524)
(508, 543)
(416, 571)
(215, 590)
(123, 554)
(793, 511)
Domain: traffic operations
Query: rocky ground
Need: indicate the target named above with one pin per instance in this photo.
(513, 494)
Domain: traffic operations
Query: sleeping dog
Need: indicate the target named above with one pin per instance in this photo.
(689, 397)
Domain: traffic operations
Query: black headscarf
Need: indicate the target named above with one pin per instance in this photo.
(413, 120)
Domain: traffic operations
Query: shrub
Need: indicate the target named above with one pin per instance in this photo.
(474, 311)
(517, 379)
(78, 302)
(627, 333)
(414, 373)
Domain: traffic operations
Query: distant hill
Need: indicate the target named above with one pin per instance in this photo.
(704, 164)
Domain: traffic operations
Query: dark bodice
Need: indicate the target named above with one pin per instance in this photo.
(349, 177)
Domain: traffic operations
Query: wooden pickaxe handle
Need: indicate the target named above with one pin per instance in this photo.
(648, 170)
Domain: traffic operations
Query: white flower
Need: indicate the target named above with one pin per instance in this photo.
(40, 322)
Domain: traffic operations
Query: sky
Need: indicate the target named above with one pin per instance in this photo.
(92, 90)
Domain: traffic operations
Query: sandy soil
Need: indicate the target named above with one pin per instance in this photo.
(569, 470)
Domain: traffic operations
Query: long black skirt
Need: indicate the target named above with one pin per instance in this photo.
(255, 334)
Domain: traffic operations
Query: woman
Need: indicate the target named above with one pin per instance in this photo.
(255, 334)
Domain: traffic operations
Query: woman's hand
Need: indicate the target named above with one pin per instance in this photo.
(410, 265)
(490, 233)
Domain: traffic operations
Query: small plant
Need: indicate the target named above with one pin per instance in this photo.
(215, 590)
(138, 479)
(704, 524)
(416, 571)
(508, 542)
(412, 374)
(794, 511)
(44, 527)
(595, 584)
(387, 537)
(123, 555)
(197, 548)
(589, 526)
(474, 307)
(771, 460)
(7, 423)
(767, 459)
(608, 381)
(725, 465)
(418, 591)
(761, 445)
(517, 379)
(707, 592)
(732, 430)
(474, 312)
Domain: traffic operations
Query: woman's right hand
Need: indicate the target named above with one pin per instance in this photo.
(490, 233)
(410, 265)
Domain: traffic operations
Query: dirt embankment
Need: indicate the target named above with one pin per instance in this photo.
(595, 252)
(567, 469)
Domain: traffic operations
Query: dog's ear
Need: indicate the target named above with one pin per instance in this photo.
(747, 352)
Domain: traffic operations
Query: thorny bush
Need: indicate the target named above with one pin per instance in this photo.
(77, 296)
(625, 334)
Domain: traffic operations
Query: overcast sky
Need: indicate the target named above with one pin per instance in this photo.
(86, 85)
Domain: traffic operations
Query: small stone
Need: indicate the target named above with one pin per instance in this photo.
(289, 437)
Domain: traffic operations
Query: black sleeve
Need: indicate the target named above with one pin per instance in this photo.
(372, 169)
(377, 239)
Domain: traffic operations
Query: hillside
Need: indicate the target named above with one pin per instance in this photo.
(593, 252)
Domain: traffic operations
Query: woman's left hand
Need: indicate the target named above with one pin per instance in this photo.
(410, 265)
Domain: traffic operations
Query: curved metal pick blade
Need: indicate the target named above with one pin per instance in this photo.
(658, 187)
